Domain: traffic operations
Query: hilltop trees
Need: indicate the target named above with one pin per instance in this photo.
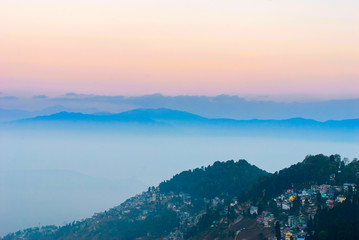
(222, 178)
(314, 170)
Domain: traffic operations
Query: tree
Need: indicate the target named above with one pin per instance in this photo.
(309, 236)
(323, 235)
(272, 206)
(310, 224)
(277, 230)
(296, 206)
(261, 236)
(319, 200)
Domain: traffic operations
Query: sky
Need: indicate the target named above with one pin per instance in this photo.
(260, 47)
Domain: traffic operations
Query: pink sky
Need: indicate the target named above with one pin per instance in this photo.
(279, 47)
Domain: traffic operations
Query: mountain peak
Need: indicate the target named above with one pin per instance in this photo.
(161, 113)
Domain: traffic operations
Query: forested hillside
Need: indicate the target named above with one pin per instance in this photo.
(230, 199)
(315, 169)
(340, 222)
(221, 179)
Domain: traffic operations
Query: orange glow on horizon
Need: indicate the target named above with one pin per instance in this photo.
(280, 47)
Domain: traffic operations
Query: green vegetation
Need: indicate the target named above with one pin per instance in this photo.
(221, 179)
(160, 223)
(348, 172)
(314, 170)
(338, 223)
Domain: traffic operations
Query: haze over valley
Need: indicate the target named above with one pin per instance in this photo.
(65, 166)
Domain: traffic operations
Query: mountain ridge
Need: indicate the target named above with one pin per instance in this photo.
(165, 121)
(221, 106)
(150, 115)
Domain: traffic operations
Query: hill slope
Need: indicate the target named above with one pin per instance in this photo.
(156, 213)
(229, 179)
(187, 205)
(312, 170)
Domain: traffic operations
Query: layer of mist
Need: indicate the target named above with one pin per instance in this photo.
(57, 175)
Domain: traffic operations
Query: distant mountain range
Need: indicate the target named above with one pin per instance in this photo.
(137, 115)
(7, 115)
(167, 121)
(174, 117)
(222, 106)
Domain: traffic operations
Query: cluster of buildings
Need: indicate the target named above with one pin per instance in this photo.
(142, 205)
(294, 224)
(308, 201)
(266, 218)
(292, 209)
